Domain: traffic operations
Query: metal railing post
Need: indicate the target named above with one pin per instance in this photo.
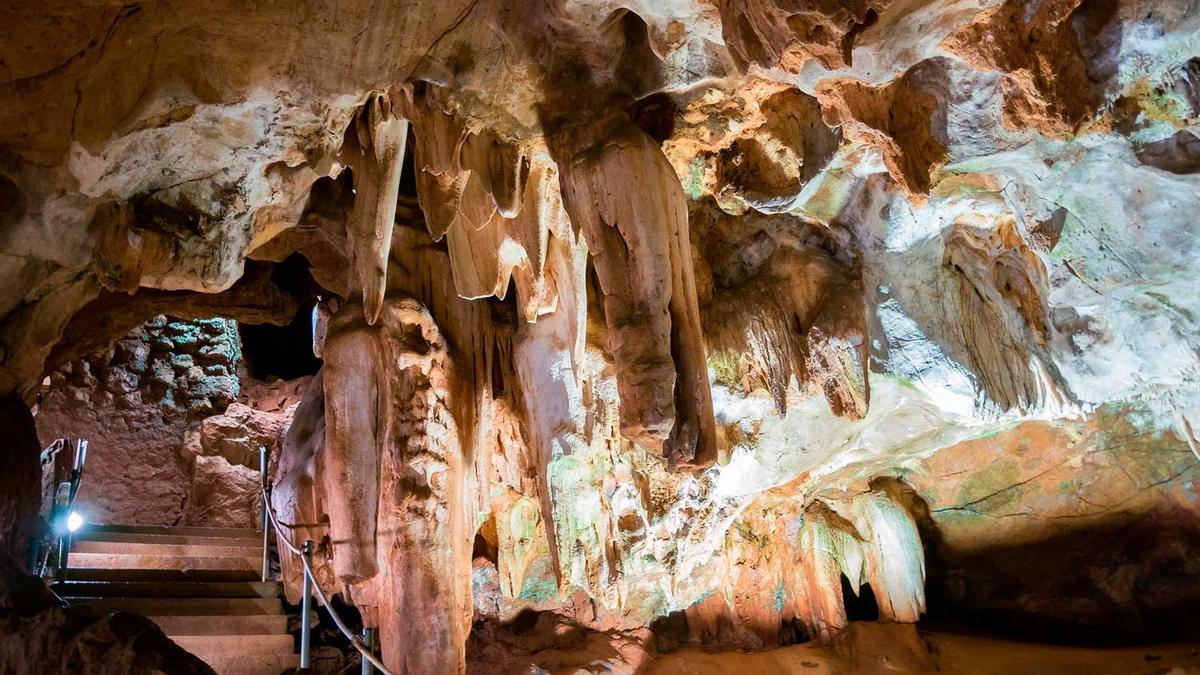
(266, 492)
(306, 610)
(368, 638)
(64, 553)
(81, 448)
(76, 478)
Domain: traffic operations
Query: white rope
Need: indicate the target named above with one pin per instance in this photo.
(355, 640)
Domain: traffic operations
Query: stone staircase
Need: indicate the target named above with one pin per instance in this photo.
(200, 585)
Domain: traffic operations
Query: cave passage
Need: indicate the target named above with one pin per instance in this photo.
(271, 352)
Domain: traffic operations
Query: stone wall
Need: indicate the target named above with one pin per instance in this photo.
(226, 484)
(137, 402)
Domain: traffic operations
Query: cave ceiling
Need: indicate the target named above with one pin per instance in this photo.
(681, 269)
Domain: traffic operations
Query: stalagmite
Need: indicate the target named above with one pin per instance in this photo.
(375, 151)
(422, 595)
(628, 202)
(298, 493)
(391, 481)
(357, 387)
(520, 539)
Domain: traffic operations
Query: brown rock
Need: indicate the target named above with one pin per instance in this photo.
(642, 256)
(19, 499)
(237, 434)
(1047, 83)
(770, 33)
(896, 118)
(40, 636)
(223, 494)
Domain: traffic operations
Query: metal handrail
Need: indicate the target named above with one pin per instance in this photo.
(310, 579)
(63, 507)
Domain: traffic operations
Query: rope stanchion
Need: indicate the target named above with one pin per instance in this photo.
(266, 502)
(306, 610)
(355, 640)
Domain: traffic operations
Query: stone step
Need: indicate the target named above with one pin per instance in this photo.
(184, 606)
(250, 664)
(173, 538)
(236, 644)
(84, 560)
(162, 576)
(154, 589)
(182, 550)
(261, 624)
(171, 530)
(200, 585)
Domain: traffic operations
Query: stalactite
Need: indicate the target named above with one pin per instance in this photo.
(375, 151)
(495, 201)
(1001, 302)
(624, 196)
(541, 217)
(886, 211)
(548, 359)
(500, 166)
(836, 357)
(801, 320)
(828, 548)
(895, 560)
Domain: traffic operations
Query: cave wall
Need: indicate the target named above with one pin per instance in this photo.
(226, 488)
(1083, 532)
(713, 309)
(20, 496)
(138, 402)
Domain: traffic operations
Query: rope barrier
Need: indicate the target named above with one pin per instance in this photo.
(355, 640)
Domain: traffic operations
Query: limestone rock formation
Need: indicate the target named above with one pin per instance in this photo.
(642, 256)
(643, 326)
(21, 481)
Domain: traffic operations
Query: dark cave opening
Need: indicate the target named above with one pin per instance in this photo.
(861, 606)
(284, 352)
(1122, 583)
(280, 352)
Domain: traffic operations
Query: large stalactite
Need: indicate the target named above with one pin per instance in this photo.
(628, 203)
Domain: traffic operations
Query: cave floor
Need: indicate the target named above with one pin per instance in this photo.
(872, 647)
